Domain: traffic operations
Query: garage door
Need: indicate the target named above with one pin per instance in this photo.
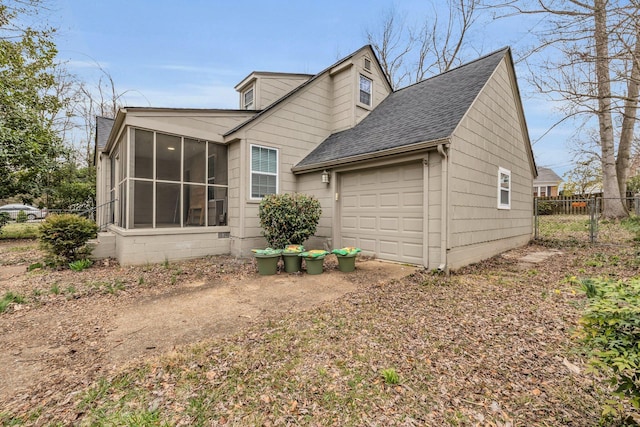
(381, 212)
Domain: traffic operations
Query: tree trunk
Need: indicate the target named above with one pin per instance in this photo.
(629, 119)
(613, 206)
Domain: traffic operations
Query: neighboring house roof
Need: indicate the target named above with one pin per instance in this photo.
(546, 176)
(304, 85)
(103, 129)
(426, 111)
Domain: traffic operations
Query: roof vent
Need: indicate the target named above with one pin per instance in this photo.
(367, 64)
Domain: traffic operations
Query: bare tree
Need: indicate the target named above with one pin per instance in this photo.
(392, 44)
(101, 98)
(409, 55)
(592, 66)
(584, 178)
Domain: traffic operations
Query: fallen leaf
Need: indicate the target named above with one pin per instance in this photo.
(570, 366)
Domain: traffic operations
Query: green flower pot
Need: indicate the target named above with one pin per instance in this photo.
(346, 263)
(314, 265)
(292, 262)
(267, 264)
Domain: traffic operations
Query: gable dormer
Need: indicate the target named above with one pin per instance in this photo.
(260, 88)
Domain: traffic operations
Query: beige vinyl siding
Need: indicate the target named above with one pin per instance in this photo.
(343, 96)
(294, 128)
(312, 184)
(233, 159)
(272, 88)
(347, 110)
(380, 89)
(490, 136)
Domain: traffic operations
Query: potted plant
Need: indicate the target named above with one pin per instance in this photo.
(346, 258)
(292, 262)
(314, 260)
(267, 260)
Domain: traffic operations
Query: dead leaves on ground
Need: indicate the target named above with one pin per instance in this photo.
(491, 345)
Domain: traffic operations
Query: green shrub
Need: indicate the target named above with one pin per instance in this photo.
(545, 207)
(21, 217)
(4, 219)
(65, 237)
(611, 327)
(288, 218)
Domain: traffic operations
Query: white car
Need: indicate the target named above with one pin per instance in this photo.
(31, 211)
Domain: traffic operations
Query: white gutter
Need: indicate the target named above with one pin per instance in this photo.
(444, 208)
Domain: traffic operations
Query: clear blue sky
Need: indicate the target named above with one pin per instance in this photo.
(192, 53)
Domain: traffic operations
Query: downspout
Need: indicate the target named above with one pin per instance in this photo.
(444, 211)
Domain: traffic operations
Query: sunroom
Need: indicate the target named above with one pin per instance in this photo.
(160, 181)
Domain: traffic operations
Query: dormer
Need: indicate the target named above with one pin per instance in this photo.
(261, 88)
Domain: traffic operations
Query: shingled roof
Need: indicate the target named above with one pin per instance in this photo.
(420, 113)
(546, 175)
(103, 129)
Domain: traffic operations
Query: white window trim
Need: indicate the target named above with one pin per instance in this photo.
(503, 171)
(370, 104)
(264, 173)
(251, 105)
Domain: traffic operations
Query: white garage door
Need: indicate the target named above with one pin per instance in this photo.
(381, 212)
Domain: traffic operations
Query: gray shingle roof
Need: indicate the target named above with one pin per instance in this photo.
(546, 175)
(423, 112)
(103, 129)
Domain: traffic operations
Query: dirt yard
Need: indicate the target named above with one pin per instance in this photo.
(209, 342)
(73, 327)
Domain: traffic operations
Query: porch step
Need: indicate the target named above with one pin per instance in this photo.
(104, 246)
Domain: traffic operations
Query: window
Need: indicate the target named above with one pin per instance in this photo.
(365, 90)
(175, 182)
(264, 171)
(504, 188)
(247, 99)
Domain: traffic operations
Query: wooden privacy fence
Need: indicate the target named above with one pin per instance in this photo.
(577, 205)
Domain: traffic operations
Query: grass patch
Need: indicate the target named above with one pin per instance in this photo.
(574, 230)
(390, 376)
(10, 298)
(20, 231)
(632, 224)
(25, 248)
(80, 264)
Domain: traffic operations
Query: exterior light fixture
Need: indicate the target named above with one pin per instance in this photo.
(325, 177)
(171, 148)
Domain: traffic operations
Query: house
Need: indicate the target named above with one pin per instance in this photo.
(547, 183)
(437, 174)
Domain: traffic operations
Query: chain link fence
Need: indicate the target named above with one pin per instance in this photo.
(578, 219)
